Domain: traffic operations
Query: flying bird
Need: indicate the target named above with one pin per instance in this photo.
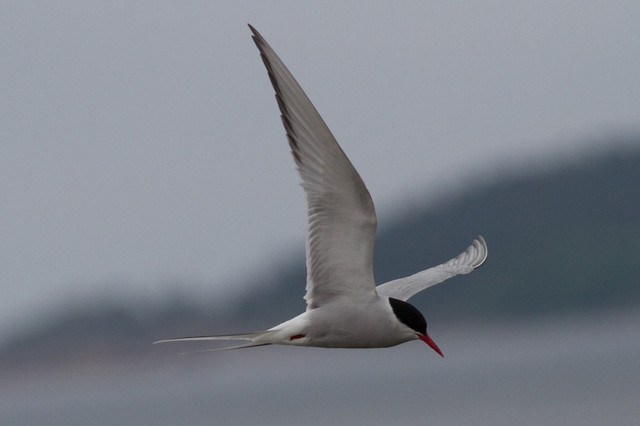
(345, 309)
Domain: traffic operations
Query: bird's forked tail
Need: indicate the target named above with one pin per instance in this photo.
(260, 338)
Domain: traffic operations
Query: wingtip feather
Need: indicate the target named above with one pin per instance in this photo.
(482, 251)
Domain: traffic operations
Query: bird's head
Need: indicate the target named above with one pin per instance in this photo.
(412, 318)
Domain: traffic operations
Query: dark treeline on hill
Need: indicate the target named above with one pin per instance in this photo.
(564, 240)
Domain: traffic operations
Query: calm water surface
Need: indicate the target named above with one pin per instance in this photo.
(562, 371)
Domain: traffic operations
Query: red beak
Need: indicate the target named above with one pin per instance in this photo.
(425, 338)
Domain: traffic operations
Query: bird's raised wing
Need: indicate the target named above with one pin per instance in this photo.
(467, 261)
(341, 219)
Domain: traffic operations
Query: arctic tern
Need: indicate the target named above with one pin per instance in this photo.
(345, 309)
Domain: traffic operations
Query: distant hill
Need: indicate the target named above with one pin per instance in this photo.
(566, 240)
(563, 240)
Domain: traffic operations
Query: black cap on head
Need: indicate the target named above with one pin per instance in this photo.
(408, 315)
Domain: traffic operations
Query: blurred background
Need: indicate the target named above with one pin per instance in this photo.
(147, 192)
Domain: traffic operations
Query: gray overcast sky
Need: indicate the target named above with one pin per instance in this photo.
(140, 143)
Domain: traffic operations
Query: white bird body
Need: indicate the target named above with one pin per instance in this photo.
(344, 307)
(346, 323)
